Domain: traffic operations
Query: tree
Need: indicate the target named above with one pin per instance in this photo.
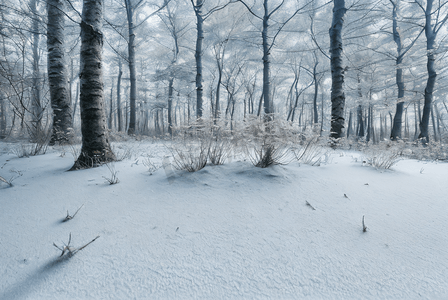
(337, 70)
(36, 105)
(431, 30)
(401, 52)
(57, 74)
(200, 18)
(268, 43)
(95, 145)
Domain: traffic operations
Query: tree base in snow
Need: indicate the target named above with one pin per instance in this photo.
(93, 159)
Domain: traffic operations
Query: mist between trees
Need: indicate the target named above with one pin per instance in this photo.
(363, 70)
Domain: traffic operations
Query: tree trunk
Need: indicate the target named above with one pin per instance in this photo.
(36, 106)
(398, 118)
(430, 45)
(2, 117)
(198, 55)
(170, 106)
(316, 89)
(111, 106)
(95, 145)
(57, 74)
(119, 117)
(132, 72)
(337, 70)
(268, 105)
(360, 130)
(349, 129)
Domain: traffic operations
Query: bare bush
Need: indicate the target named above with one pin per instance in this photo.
(122, 151)
(112, 179)
(269, 154)
(16, 174)
(192, 156)
(382, 160)
(219, 151)
(150, 165)
(311, 153)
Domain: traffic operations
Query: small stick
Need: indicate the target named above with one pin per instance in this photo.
(364, 228)
(76, 250)
(68, 217)
(308, 204)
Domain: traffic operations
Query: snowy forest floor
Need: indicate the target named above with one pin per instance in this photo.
(225, 232)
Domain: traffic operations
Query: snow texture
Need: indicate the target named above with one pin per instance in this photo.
(225, 232)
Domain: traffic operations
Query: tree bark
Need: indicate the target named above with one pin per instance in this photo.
(37, 110)
(170, 106)
(119, 117)
(398, 118)
(132, 72)
(57, 74)
(430, 43)
(198, 55)
(95, 145)
(268, 105)
(337, 70)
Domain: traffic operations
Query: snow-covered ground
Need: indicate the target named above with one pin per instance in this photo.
(225, 232)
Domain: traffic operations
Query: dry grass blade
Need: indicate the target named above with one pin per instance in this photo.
(68, 217)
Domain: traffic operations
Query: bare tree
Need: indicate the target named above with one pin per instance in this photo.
(95, 145)
(434, 21)
(200, 18)
(268, 41)
(401, 52)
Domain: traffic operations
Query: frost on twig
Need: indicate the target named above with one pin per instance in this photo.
(68, 217)
(69, 250)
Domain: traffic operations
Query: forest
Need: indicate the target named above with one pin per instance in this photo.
(369, 71)
(223, 149)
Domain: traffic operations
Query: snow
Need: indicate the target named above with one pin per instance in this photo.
(225, 232)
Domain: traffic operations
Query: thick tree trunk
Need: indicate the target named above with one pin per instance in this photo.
(430, 48)
(57, 74)
(132, 72)
(337, 70)
(95, 145)
(198, 55)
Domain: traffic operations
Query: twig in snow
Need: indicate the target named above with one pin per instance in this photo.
(71, 250)
(364, 227)
(68, 217)
(308, 204)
